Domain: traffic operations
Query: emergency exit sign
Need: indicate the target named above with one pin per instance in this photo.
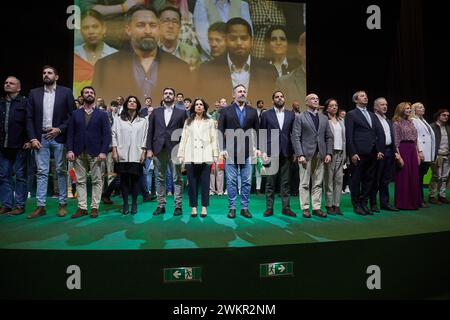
(183, 274)
(276, 269)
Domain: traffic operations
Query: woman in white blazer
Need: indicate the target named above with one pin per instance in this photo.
(426, 142)
(334, 171)
(129, 137)
(198, 149)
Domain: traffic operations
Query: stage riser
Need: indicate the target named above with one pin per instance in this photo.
(411, 267)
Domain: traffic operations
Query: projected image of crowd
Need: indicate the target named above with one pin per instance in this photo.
(181, 114)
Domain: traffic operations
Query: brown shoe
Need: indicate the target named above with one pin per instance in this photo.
(4, 210)
(306, 214)
(94, 213)
(330, 210)
(79, 213)
(62, 211)
(40, 211)
(319, 213)
(433, 200)
(17, 211)
(443, 200)
(107, 200)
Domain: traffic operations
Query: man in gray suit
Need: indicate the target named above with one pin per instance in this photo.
(312, 139)
(294, 84)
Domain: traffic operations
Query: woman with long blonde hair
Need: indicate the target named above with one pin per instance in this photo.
(407, 188)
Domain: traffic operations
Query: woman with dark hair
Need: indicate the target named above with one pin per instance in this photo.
(407, 187)
(198, 150)
(276, 51)
(129, 137)
(334, 171)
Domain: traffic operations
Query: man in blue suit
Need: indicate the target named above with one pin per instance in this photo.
(13, 146)
(163, 122)
(48, 112)
(88, 140)
(282, 121)
(365, 143)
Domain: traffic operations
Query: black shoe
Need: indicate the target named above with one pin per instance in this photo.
(374, 209)
(359, 211)
(125, 210)
(147, 198)
(288, 212)
(178, 212)
(106, 200)
(366, 211)
(245, 213)
(232, 213)
(337, 211)
(268, 213)
(159, 211)
(133, 209)
(389, 208)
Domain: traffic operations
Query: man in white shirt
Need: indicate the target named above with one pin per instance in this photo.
(384, 167)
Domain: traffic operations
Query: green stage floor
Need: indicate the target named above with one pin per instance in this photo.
(113, 231)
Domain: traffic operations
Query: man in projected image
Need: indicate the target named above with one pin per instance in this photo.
(143, 69)
(218, 77)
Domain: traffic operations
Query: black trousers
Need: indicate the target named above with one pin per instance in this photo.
(198, 173)
(362, 179)
(284, 175)
(384, 174)
(423, 169)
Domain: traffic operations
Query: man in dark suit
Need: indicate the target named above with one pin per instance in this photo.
(281, 121)
(218, 77)
(13, 149)
(142, 69)
(365, 143)
(386, 166)
(162, 123)
(88, 140)
(48, 112)
(239, 125)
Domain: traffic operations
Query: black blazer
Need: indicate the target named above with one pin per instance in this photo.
(360, 138)
(269, 121)
(17, 122)
(214, 80)
(229, 120)
(95, 137)
(63, 108)
(114, 76)
(159, 136)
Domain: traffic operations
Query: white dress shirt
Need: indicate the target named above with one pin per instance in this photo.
(386, 128)
(49, 104)
(366, 115)
(280, 116)
(240, 76)
(168, 114)
(337, 133)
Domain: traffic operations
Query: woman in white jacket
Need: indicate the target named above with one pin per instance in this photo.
(129, 137)
(426, 142)
(198, 149)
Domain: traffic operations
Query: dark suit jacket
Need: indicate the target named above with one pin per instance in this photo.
(17, 122)
(269, 121)
(437, 133)
(214, 80)
(95, 137)
(229, 120)
(114, 76)
(362, 139)
(159, 136)
(64, 105)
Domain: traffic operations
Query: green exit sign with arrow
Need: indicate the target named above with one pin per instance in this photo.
(276, 269)
(183, 274)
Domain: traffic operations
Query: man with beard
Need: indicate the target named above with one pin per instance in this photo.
(239, 125)
(218, 77)
(162, 123)
(142, 69)
(48, 112)
(282, 121)
(88, 140)
(13, 149)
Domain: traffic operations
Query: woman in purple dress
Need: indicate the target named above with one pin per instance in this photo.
(407, 188)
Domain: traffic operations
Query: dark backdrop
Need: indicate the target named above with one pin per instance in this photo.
(406, 60)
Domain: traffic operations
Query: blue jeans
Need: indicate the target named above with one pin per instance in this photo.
(232, 171)
(169, 179)
(12, 163)
(43, 162)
